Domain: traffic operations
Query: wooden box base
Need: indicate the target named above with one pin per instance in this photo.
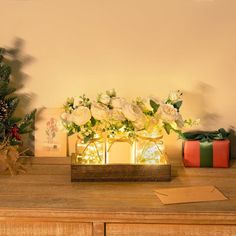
(120, 172)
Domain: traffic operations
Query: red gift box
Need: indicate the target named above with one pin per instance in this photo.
(206, 154)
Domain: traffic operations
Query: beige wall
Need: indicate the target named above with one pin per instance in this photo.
(139, 47)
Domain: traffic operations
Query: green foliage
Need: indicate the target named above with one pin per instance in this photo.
(2, 132)
(93, 121)
(11, 127)
(87, 138)
(177, 105)
(168, 129)
(5, 89)
(12, 103)
(5, 72)
(26, 126)
(154, 106)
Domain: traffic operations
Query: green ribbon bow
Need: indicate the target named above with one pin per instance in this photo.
(202, 136)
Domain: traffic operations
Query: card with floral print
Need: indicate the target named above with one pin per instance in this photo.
(50, 138)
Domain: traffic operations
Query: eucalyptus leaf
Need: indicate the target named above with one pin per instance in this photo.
(154, 106)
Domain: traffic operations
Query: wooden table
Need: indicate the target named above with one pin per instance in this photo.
(45, 202)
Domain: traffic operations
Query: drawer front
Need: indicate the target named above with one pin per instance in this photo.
(169, 230)
(18, 228)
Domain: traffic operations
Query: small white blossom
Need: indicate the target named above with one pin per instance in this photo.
(175, 96)
(111, 93)
(78, 101)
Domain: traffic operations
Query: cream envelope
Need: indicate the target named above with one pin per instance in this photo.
(189, 194)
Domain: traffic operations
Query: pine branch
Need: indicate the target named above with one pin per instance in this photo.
(27, 123)
(11, 127)
(5, 90)
(5, 72)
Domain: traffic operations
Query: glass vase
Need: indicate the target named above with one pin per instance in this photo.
(120, 150)
(91, 152)
(150, 150)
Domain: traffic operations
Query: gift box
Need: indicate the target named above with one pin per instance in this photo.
(206, 149)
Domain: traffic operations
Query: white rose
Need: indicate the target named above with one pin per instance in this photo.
(104, 98)
(168, 112)
(132, 112)
(81, 115)
(175, 96)
(118, 102)
(66, 117)
(99, 111)
(117, 115)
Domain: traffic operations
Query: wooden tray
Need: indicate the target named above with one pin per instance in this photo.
(120, 172)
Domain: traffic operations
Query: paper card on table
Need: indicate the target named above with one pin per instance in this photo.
(50, 139)
(189, 194)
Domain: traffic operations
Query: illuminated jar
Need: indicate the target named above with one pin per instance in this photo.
(91, 152)
(150, 150)
(120, 150)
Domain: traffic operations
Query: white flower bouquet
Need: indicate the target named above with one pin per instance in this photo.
(110, 115)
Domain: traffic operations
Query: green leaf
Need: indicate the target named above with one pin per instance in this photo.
(167, 128)
(70, 132)
(30, 116)
(177, 105)
(12, 103)
(13, 120)
(26, 131)
(93, 121)
(154, 106)
(5, 71)
(24, 125)
(87, 138)
(77, 128)
(14, 142)
(27, 124)
(5, 90)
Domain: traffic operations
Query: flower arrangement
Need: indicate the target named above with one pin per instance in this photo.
(110, 116)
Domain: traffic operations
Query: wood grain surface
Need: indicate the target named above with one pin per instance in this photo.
(45, 198)
(120, 172)
(168, 229)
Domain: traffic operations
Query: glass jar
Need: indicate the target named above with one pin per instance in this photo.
(91, 152)
(150, 150)
(119, 150)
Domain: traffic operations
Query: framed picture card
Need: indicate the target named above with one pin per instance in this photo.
(50, 138)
